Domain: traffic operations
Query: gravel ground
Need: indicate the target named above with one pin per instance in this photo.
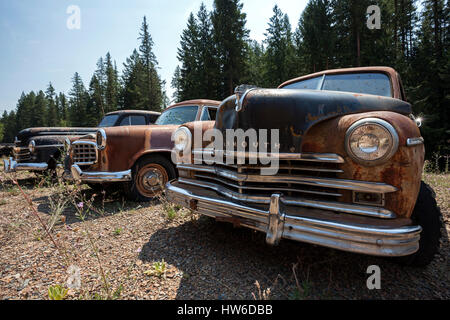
(204, 259)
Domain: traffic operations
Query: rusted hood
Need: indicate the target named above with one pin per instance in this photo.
(294, 112)
(54, 134)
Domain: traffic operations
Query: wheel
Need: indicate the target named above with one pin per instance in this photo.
(426, 214)
(149, 177)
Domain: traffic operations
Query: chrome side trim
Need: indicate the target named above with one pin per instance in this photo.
(365, 239)
(362, 210)
(314, 157)
(12, 166)
(411, 142)
(362, 186)
(99, 177)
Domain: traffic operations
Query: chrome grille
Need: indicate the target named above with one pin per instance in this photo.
(84, 153)
(22, 155)
(309, 180)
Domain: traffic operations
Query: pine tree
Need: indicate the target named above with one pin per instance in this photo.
(39, 110)
(133, 83)
(111, 87)
(77, 102)
(151, 90)
(279, 51)
(52, 117)
(176, 84)
(230, 36)
(188, 55)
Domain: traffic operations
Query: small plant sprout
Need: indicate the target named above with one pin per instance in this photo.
(158, 269)
(57, 292)
(118, 231)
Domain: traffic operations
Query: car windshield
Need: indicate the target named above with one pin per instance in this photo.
(178, 115)
(368, 83)
(109, 121)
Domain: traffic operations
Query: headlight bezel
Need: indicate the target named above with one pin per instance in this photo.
(32, 146)
(101, 145)
(188, 136)
(384, 125)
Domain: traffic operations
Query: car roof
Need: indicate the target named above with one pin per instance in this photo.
(135, 111)
(387, 70)
(197, 102)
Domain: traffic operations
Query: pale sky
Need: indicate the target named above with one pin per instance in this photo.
(38, 47)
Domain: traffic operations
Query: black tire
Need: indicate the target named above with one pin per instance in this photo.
(135, 189)
(426, 214)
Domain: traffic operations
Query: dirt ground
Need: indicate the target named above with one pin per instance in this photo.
(128, 250)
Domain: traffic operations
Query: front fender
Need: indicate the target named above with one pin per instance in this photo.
(403, 170)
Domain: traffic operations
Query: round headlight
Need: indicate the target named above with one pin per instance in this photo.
(32, 146)
(371, 141)
(101, 139)
(182, 139)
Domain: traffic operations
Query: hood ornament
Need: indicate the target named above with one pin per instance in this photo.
(241, 92)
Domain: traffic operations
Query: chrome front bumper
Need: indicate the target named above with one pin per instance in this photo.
(12, 166)
(99, 177)
(366, 239)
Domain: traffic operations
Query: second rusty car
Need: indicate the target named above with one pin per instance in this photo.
(138, 157)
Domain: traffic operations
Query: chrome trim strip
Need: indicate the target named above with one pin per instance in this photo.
(314, 157)
(362, 210)
(411, 142)
(363, 186)
(268, 189)
(49, 146)
(365, 239)
(12, 166)
(99, 177)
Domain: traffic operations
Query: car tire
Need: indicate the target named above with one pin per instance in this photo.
(149, 177)
(426, 214)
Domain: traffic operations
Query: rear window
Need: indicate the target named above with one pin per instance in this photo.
(366, 83)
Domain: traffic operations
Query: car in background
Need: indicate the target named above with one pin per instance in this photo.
(137, 157)
(40, 149)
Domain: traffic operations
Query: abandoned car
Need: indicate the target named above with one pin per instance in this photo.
(40, 149)
(349, 158)
(138, 157)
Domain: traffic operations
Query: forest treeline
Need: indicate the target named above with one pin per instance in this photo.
(216, 54)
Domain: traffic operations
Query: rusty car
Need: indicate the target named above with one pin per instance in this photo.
(136, 157)
(41, 149)
(350, 157)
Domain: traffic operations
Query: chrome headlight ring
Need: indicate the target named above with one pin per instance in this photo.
(32, 146)
(182, 138)
(101, 139)
(371, 141)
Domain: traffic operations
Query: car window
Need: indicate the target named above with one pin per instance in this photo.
(133, 120)
(369, 83)
(208, 113)
(108, 121)
(178, 115)
(311, 84)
